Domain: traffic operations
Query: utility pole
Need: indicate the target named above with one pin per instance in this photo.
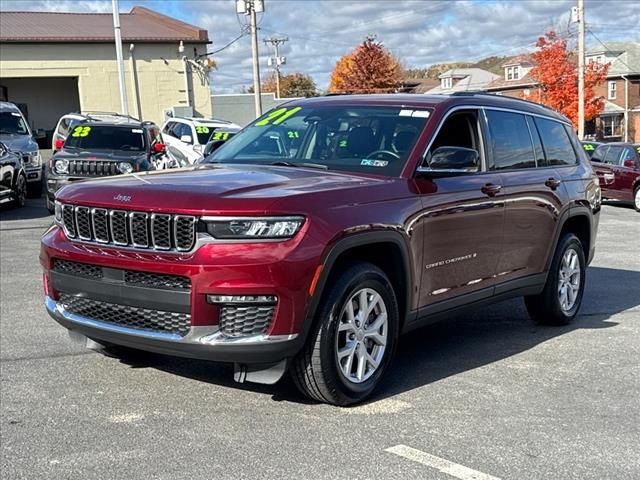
(581, 69)
(276, 60)
(124, 103)
(250, 8)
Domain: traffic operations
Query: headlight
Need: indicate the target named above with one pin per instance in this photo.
(57, 218)
(35, 160)
(258, 228)
(125, 167)
(61, 166)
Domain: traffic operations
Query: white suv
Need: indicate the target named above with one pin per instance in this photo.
(188, 136)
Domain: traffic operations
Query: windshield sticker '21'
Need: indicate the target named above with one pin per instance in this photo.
(278, 116)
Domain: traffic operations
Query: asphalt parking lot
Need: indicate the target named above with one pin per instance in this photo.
(483, 396)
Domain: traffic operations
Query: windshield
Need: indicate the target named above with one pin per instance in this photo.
(367, 139)
(106, 137)
(203, 132)
(12, 123)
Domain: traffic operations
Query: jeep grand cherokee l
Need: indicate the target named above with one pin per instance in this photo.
(325, 229)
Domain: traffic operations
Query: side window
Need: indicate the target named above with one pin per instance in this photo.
(460, 129)
(168, 128)
(510, 141)
(613, 156)
(556, 142)
(182, 129)
(627, 154)
(598, 155)
(537, 143)
(64, 127)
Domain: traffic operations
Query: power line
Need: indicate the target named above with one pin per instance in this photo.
(225, 47)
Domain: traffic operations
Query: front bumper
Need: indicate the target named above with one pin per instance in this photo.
(205, 343)
(34, 173)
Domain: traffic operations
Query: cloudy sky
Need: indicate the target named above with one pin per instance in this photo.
(419, 32)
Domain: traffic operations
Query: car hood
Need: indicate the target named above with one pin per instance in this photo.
(215, 189)
(19, 143)
(103, 155)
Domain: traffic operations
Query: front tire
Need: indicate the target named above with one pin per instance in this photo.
(559, 302)
(35, 189)
(352, 340)
(20, 192)
(51, 206)
(636, 198)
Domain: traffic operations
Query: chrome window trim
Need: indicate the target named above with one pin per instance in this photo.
(131, 217)
(480, 108)
(93, 223)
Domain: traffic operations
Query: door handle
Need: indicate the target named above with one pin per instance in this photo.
(553, 183)
(490, 189)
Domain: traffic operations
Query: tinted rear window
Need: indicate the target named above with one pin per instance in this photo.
(106, 137)
(510, 141)
(556, 142)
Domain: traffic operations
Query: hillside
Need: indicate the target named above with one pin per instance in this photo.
(491, 64)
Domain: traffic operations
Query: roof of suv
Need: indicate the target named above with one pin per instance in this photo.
(8, 106)
(438, 101)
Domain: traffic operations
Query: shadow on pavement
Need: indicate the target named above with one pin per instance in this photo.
(33, 210)
(456, 345)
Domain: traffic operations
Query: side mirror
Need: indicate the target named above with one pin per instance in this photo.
(186, 139)
(158, 147)
(452, 161)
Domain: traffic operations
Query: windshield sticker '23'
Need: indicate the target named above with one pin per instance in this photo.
(81, 131)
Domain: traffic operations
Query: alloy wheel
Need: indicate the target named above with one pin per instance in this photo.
(569, 280)
(637, 199)
(361, 335)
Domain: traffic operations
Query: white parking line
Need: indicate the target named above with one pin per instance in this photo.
(445, 466)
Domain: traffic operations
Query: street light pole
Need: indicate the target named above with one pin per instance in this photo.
(124, 103)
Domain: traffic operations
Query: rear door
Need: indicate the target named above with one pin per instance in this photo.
(532, 190)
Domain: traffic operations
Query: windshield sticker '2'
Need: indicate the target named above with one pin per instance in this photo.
(278, 116)
(81, 131)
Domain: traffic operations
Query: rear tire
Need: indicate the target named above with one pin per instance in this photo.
(350, 345)
(559, 302)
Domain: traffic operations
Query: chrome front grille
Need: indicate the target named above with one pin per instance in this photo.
(130, 229)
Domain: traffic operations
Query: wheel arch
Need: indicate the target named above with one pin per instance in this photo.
(386, 249)
(577, 221)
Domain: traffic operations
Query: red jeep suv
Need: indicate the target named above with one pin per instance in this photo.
(325, 229)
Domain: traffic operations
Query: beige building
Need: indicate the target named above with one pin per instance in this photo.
(55, 63)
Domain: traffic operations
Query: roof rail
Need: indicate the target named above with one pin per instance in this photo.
(481, 92)
(97, 113)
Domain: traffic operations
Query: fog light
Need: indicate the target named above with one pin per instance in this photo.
(243, 299)
(125, 167)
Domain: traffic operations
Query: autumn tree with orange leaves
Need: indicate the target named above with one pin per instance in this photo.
(369, 68)
(557, 72)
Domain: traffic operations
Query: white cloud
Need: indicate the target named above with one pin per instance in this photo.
(419, 32)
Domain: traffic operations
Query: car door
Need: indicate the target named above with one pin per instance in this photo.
(462, 221)
(609, 163)
(532, 192)
(625, 172)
